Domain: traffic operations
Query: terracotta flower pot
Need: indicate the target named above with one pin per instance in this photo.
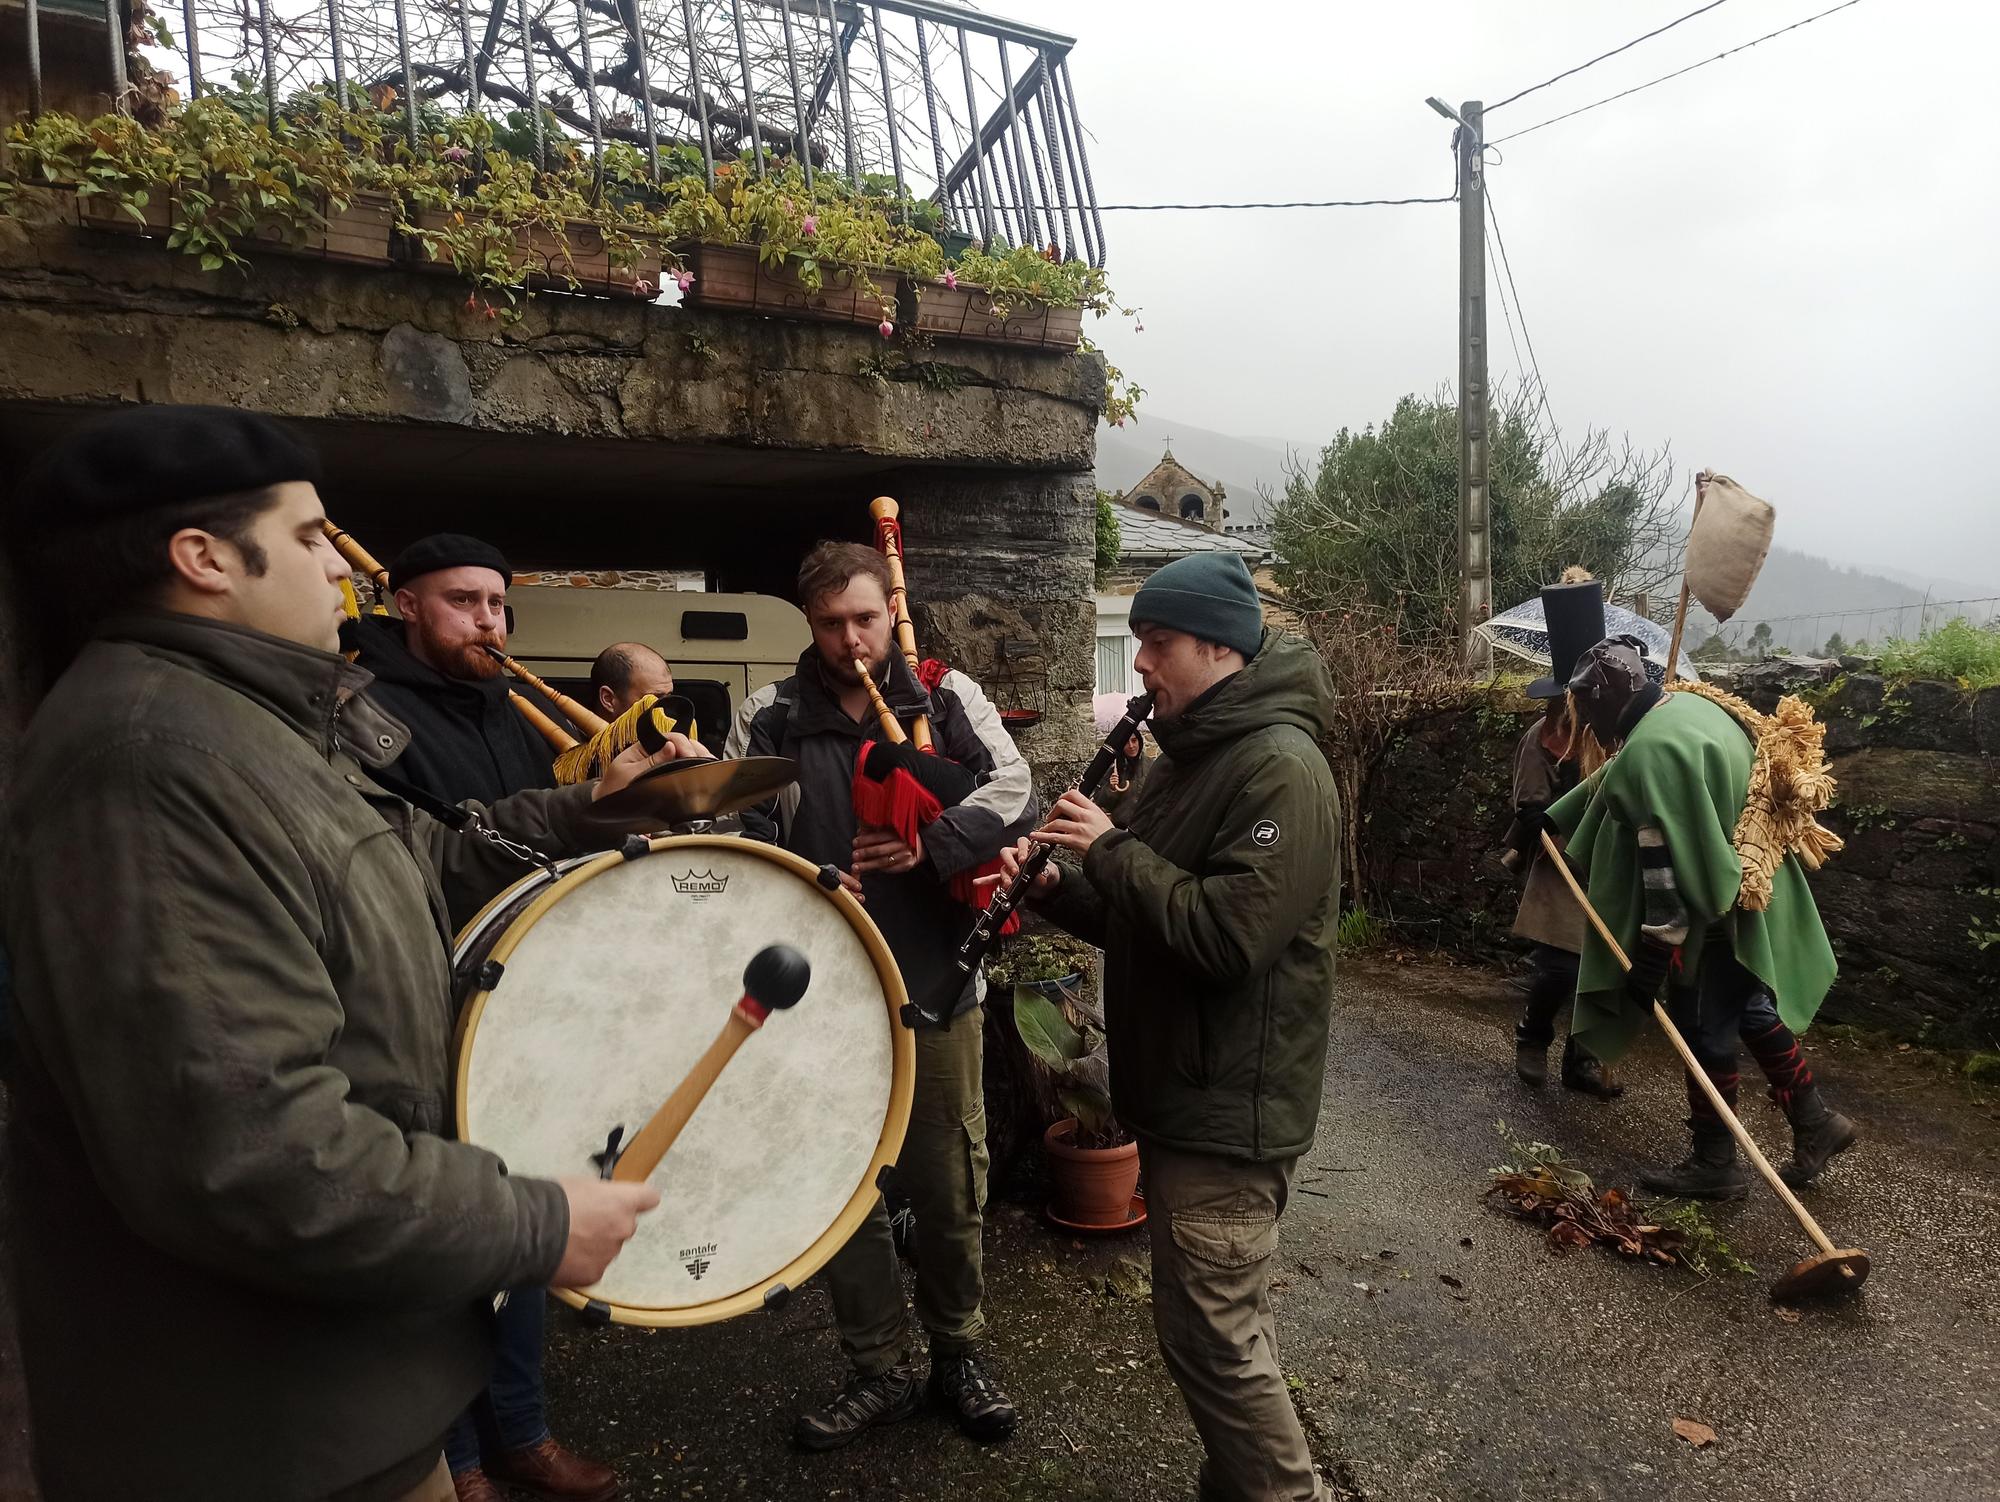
(358, 233)
(100, 211)
(579, 260)
(970, 312)
(1093, 1185)
(734, 277)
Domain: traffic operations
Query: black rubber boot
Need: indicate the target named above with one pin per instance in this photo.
(1531, 1062)
(959, 1383)
(884, 1398)
(1709, 1171)
(1819, 1134)
(1584, 1071)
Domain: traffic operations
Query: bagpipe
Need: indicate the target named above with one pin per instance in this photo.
(579, 756)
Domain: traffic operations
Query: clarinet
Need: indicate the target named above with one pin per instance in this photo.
(1001, 906)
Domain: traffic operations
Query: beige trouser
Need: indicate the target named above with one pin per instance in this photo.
(1214, 1225)
(943, 1170)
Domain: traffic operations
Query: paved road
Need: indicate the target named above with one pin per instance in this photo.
(1538, 1377)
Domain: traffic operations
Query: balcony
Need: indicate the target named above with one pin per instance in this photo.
(973, 113)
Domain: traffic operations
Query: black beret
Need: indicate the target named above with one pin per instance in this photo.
(446, 550)
(151, 458)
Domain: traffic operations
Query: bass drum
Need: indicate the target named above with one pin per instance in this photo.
(585, 998)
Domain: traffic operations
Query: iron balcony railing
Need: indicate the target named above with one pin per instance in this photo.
(976, 112)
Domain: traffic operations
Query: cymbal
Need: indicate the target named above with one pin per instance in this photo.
(694, 788)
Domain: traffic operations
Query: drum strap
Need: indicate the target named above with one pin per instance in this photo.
(458, 819)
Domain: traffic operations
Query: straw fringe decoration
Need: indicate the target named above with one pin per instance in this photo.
(1790, 782)
(587, 760)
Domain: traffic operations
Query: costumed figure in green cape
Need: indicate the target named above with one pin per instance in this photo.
(1654, 834)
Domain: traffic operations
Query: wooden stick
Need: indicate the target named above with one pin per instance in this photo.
(643, 1155)
(357, 557)
(1681, 610)
(891, 726)
(1700, 1075)
(889, 538)
(589, 722)
(558, 738)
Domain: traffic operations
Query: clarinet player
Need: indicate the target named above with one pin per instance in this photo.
(1214, 897)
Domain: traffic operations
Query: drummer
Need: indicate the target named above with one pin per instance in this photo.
(231, 1002)
(624, 673)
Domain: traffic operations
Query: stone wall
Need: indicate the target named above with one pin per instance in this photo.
(1907, 904)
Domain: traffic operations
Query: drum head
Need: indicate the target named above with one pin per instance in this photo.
(611, 983)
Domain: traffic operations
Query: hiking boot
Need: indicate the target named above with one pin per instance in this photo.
(1584, 1071)
(1531, 1063)
(1818, 1134)
(1709, 1171)
(960, 1383)
(888, 1397)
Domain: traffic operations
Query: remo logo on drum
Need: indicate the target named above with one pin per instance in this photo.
(707, 884)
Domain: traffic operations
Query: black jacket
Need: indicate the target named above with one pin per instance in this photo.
(466, 740)
(916, 912)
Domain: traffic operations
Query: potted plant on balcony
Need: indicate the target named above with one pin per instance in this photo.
(1093, 1163)
(1015, 296)
(771, 244)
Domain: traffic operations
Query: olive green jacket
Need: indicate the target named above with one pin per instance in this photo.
(250, 1263)
(1215, 902)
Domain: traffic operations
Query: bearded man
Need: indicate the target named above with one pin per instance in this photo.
(433, 671)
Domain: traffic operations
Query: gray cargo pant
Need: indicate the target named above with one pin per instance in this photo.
(1214, 1225)
(943, 1170)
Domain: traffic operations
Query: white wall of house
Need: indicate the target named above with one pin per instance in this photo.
(1115, 646)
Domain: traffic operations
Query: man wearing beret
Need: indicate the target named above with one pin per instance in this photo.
(250, 1262)
(1214, 894)
(434, 673)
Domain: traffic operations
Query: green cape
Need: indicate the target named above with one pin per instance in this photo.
(1685, 768)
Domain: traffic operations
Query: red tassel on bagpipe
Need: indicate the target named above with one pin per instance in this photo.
(899, 802)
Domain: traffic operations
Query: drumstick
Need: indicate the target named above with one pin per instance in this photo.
(891, 726)
(773, 980)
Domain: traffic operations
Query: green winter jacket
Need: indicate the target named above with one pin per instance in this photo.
(249, 1263)
(1215, 902)
(1686, 771)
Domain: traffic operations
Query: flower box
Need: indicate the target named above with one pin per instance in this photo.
(359, 233)
(732, 276)
(102, 211)
(970, 312)
(579, 260)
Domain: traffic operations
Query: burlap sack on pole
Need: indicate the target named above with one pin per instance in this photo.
(1726, 549)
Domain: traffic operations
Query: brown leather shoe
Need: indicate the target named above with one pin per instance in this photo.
(475, 1485)
(549, 1471)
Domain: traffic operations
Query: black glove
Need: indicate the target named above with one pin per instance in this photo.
(1648, 975)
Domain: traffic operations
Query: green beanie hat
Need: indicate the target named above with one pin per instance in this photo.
(1209, 595)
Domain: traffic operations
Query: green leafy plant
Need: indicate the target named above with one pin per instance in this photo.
(1702, 1251)
(1360, 931)
(1107, 537)
(1074, 1054)
(1031, 958)
(1959, 651)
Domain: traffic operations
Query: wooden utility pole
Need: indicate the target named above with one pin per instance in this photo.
(1475, 532)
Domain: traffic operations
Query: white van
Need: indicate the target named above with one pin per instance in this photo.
(722, 647)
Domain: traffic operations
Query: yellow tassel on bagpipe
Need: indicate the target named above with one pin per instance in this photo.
(644, 722)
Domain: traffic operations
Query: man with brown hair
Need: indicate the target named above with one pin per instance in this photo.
(821, 716)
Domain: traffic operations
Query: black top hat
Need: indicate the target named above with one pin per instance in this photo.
(1574, 614)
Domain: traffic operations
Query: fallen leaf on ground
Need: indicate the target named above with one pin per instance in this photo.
(1449, 1281)
(1695, 1433)
(1789, 1315)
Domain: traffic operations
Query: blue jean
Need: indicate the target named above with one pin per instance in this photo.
(511, 1413)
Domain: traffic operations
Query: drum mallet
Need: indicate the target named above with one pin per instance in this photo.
(773, 980)
(1833, 1269)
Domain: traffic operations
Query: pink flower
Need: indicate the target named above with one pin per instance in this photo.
(810, 225)
(471, 301)
(684, 280)
(888, 329)
(641, 285)
(1138, 328)
(456, 154)
(951, 280)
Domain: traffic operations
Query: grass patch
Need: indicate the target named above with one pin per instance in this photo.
(1969, 655)
(1360, 931)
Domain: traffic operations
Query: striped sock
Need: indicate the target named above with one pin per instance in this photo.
(1778, 1055)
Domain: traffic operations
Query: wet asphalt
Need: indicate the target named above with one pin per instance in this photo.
(1437, 1348)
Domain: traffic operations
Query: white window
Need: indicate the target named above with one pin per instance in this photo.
(1114, 663)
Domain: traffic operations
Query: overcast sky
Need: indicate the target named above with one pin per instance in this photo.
(1784, 263)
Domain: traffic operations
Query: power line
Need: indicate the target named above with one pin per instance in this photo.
(1541, 386)
(1641, 88)
(1602, 56)
(1329, 203)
